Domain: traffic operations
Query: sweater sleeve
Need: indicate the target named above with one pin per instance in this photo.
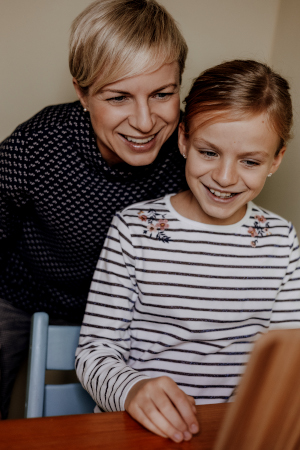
(104, 344)
(286, 310)
(13, 190)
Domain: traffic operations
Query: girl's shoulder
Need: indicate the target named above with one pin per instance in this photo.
(147, 211)
(263, 213)
(268, 221)
(146, 205)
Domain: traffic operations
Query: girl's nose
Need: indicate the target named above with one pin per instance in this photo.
(142, 119)
(225, 174)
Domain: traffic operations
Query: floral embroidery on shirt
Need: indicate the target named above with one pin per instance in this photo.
(157, 224)
(259, 228)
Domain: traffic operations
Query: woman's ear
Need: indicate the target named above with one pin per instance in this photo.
(82, 97)
(277, 160)
(182, 140)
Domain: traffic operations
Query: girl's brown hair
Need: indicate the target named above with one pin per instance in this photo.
(237, 89)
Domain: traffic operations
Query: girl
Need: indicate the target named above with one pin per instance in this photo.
(186, 283)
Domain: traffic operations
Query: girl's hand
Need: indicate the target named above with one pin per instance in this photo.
(162, 407)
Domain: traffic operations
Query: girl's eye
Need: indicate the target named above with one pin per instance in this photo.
(208, 153)
(249, 163)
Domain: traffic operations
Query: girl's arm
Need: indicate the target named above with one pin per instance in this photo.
(104, 344)
(104, 347)
(286, 310)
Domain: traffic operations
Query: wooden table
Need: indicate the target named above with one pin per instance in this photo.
(108, 431)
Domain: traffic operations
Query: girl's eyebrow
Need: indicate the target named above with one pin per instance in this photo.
(118, 91)
(255, 154)
(200, 142)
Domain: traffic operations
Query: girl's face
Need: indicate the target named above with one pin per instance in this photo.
(227, 166)
(133, 117)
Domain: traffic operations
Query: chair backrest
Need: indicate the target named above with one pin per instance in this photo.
(52, 347)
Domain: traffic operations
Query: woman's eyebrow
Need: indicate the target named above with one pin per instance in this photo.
(115, 91)
(119, 91)
(170, 85)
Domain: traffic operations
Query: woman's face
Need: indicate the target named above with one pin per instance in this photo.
(132, 118)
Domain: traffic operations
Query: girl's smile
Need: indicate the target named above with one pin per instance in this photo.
(227, 165)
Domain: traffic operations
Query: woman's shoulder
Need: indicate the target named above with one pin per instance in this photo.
(44, 133)
(50, 118)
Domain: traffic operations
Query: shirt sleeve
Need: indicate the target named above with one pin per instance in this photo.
(286, 310)
(104, 344)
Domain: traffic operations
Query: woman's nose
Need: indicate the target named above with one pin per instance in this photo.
(142, 117)
(225, 174)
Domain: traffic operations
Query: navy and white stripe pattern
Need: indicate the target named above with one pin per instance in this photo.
(175, 297)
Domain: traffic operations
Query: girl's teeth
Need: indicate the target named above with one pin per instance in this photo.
(139, 141)
(221, 194)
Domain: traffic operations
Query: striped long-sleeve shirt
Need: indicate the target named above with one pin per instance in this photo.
(179, 298)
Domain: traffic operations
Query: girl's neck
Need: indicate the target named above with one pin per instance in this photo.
(187, 206)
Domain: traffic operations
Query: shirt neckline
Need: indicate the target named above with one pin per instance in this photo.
(201, 225)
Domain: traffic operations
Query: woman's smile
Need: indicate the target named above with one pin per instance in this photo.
(132, 118)
(140, 144)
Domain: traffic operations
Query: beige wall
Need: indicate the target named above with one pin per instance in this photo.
(282, 192)
(34, 46)
(217, 30)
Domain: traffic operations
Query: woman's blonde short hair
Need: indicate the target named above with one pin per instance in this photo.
(120, 39)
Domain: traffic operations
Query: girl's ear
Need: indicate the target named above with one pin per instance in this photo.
(182, 141)
(277, 160)
(80, 95)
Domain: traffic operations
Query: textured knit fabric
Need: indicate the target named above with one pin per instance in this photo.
(14, 344)
(175, 297)
(57, 199)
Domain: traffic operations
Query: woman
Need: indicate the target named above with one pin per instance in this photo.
(68, 169)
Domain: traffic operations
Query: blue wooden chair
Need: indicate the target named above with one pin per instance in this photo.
(52, 347)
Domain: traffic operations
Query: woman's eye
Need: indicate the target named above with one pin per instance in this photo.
(119, 99)
(163, 95)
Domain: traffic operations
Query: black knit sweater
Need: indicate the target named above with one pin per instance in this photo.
(57, 199)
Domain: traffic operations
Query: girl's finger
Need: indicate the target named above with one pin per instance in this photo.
(186, 410)
(162, 423)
